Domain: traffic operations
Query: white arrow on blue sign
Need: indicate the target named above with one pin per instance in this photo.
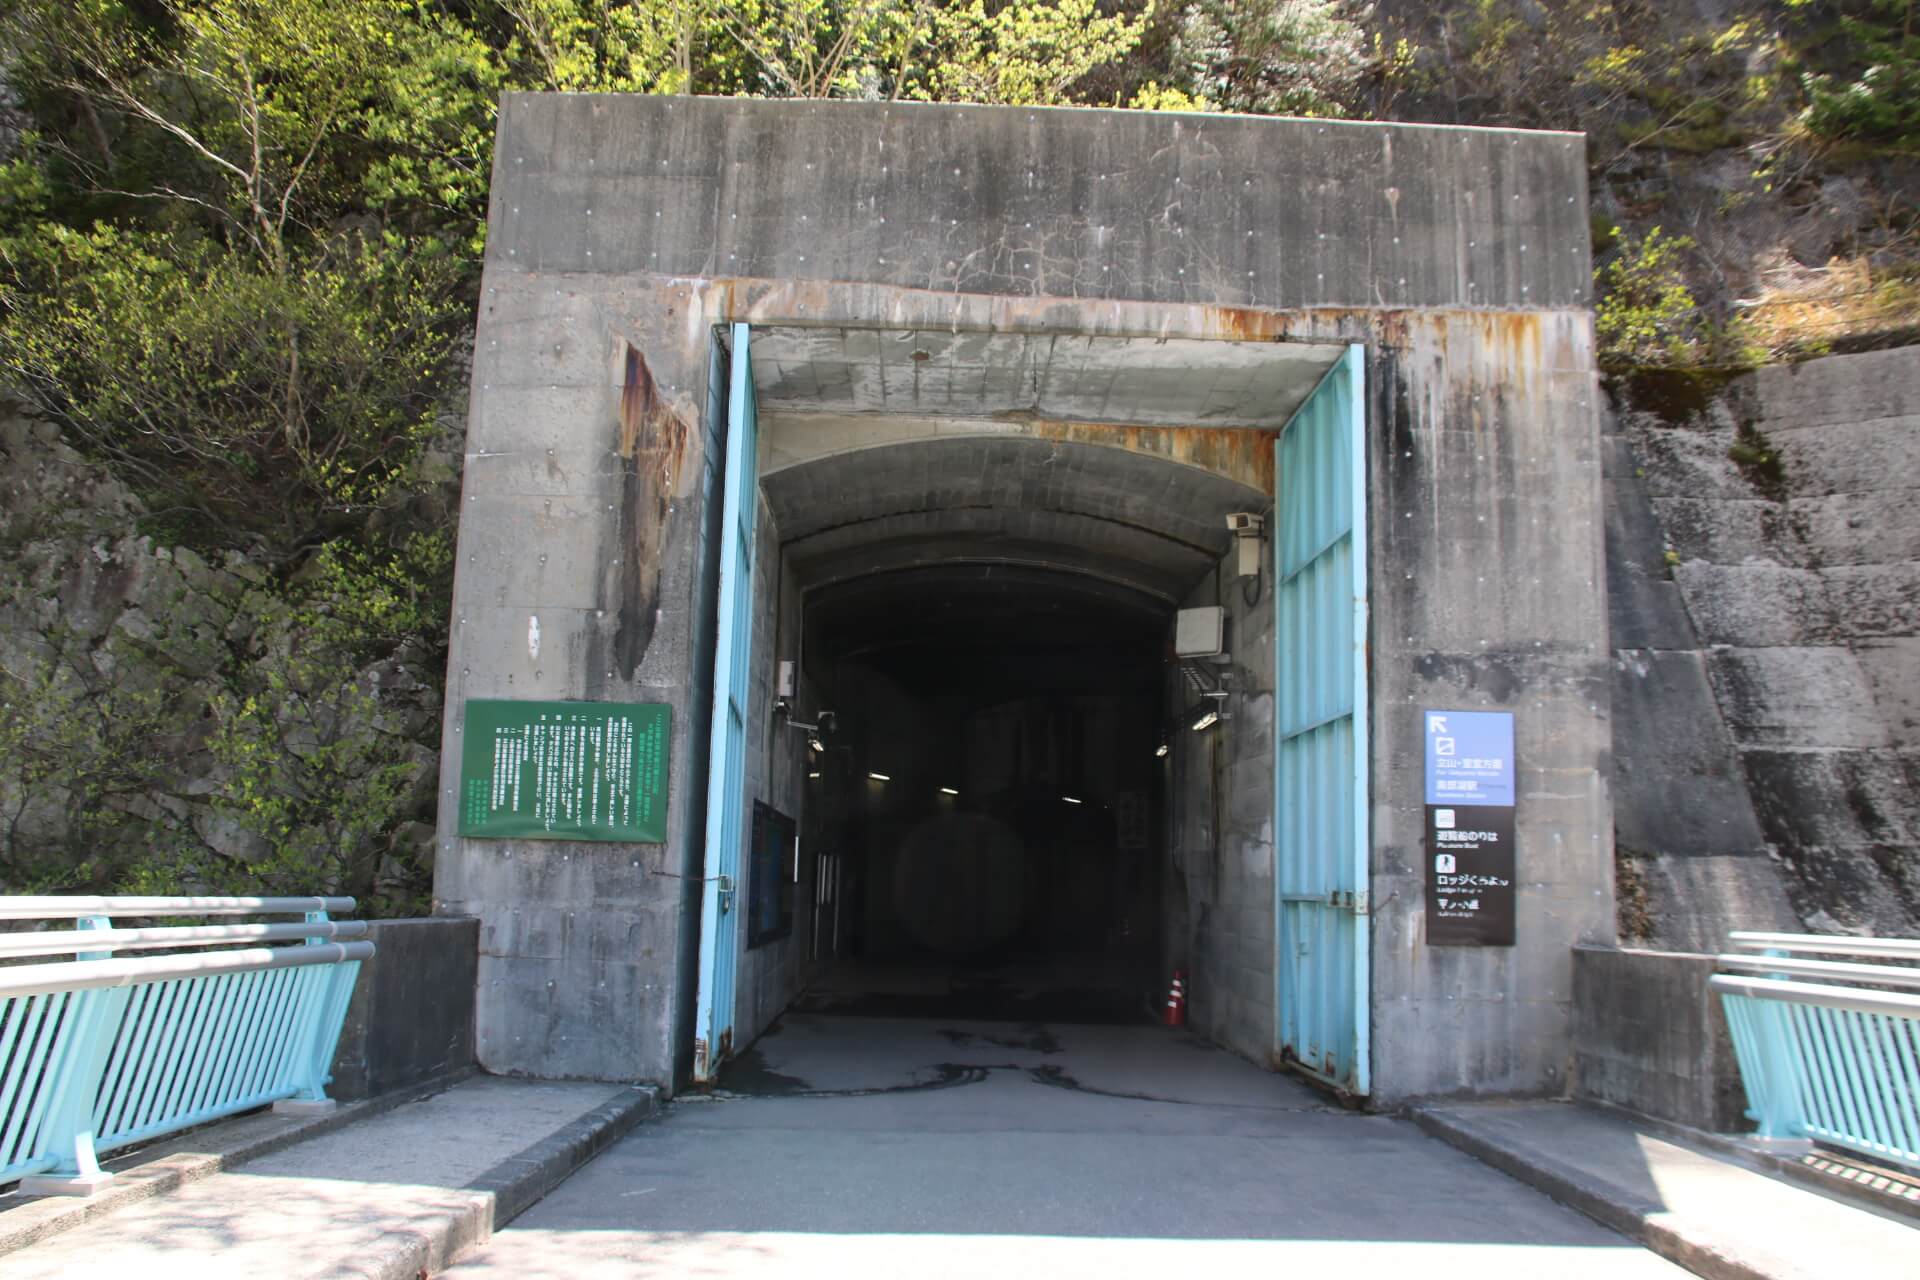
(1469, 757)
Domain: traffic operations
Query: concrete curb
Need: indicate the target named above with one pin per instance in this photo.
(520, 1181)
(1885, 1191)
(501, 1194)
(164, 1167)
(1604, 1203)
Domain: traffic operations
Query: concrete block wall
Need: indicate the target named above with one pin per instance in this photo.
(1650, 1036)
(411, 1016)
(1800, 584)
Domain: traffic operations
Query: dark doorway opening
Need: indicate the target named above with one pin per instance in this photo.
(988, 802)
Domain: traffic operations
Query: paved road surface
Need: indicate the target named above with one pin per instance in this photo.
(853, 1147)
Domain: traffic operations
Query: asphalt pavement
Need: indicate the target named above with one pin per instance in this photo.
(863, 1146)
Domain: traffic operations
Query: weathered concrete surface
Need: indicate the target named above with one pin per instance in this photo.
(1219, 882)
(163, 1167)
(391, 1197)
(1800, 580)
(1690, 856)
(966, 1149)
(1649, 1036)
(1220, 210)
(629, 227)
(1125, 515)
(1711, 1215)
(411, 1017)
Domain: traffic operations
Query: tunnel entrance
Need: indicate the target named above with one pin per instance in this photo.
(991, 794)
(1029, 803)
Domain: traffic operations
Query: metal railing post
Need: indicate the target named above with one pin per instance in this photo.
(1779, 1111)
(91, 1021)
(314, 1054)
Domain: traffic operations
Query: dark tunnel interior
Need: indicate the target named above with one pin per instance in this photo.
(991, 787)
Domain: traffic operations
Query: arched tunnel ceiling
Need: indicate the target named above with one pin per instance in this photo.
(1009, 629)
(1066, 376)
(1108, 513)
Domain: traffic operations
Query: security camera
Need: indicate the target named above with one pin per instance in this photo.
(1245, 523)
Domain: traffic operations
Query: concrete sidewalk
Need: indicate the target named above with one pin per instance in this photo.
(1705, 1211)
(389, 1197)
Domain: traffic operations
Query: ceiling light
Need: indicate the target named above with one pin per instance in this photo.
(880, 777)
(948, 791)
(1070, 800)
(1206, 721)
(1160, 751)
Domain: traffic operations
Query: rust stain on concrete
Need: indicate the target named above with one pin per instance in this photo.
(653, 442)
(1239, 453)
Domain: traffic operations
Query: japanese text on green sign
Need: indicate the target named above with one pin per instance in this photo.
(565, 771)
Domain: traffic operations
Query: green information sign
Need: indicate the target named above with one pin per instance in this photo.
(565, 771)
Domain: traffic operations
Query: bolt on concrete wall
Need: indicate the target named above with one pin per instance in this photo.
(634, 225)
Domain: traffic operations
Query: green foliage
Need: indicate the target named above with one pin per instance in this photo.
(307, 770)
(1648, 316)
(818, 48)
(1645, 309)
(80, 754)
(1153, 96)
(1877, 97)
(1281, 57)
(1024, 55)
(251, 404)
(232, 736)
(606, 46)
(261, 119)
(1759, 462)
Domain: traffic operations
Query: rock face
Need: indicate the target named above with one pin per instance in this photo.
(141, 681)
(1764, 566)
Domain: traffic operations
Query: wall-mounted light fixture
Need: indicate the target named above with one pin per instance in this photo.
(783, 706)
(1211, 684)
(1160, 752)
(1071, 800)
(880, 777)
(948, 791)
(814, 774)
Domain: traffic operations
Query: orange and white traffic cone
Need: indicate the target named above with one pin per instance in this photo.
(1175, 1014)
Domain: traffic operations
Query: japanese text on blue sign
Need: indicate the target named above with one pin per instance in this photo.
(1469, 757)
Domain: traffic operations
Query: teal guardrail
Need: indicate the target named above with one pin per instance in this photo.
(1829, 1050)
(100, 1052)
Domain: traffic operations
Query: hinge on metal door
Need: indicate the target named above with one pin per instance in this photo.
(1362, 902)
(726, 893)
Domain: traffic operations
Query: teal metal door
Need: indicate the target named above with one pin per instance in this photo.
(726, 750)
(1320, 753)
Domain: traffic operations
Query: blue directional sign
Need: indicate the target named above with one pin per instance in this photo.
(1469, 757)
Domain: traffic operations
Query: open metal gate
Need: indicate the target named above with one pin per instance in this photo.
(1320, 755)
(726, 751)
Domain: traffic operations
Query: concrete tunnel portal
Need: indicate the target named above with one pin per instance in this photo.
(1015, 367)
(989, 535)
